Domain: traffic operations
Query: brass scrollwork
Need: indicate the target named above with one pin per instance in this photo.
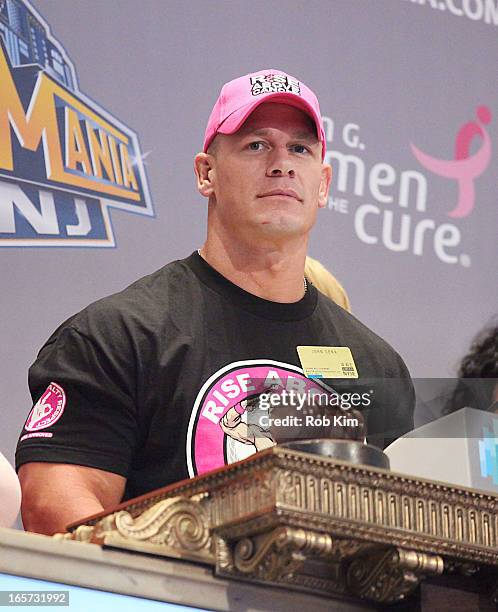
(392, 574)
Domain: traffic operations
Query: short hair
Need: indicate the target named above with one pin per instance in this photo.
(211, 150)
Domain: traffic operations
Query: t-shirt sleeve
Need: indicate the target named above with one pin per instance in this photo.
(394, 405)
(84, 411)
(402, 421)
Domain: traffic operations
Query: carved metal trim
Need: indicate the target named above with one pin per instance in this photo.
(392, 574)
(311, 523)
(175, 527)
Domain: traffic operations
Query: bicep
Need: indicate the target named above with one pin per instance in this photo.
(57, 494)
(90, 435)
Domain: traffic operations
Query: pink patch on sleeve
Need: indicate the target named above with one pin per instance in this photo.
(48, 409)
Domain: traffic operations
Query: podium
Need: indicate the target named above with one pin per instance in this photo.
(285, 529)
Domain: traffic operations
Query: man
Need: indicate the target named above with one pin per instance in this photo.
(130, 392)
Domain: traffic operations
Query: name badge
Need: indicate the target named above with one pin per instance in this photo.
(327, 362)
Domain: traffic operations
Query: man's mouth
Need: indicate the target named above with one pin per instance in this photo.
(288, 193)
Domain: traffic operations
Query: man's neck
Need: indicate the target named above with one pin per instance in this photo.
(270, 272)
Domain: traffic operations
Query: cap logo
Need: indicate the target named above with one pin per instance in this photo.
(274, 83)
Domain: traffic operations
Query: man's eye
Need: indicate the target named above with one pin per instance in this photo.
(300, 148)
(255, 146)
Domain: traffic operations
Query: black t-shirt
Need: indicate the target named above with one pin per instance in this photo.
(138, 382)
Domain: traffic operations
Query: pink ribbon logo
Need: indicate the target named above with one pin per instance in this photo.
(465, 168)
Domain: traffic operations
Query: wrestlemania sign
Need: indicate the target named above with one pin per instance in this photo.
(64, 161)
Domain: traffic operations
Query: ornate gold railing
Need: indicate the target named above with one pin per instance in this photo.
(288, 518)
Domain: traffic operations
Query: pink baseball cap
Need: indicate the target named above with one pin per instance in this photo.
(238, 99)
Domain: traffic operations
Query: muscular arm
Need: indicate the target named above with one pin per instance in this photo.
(57, 494)
(233, 426)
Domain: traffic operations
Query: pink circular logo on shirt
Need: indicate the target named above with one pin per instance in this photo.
(48, 409)
(212, 440)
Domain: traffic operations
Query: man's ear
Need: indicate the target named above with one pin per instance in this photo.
(323, 193)
(203, 168)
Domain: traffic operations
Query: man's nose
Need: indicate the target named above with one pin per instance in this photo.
(280, 164)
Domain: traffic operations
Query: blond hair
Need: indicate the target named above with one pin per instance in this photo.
(326, 282)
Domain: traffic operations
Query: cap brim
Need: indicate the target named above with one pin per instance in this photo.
(234, 121)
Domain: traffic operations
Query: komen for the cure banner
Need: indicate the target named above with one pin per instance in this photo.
(400, 219)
